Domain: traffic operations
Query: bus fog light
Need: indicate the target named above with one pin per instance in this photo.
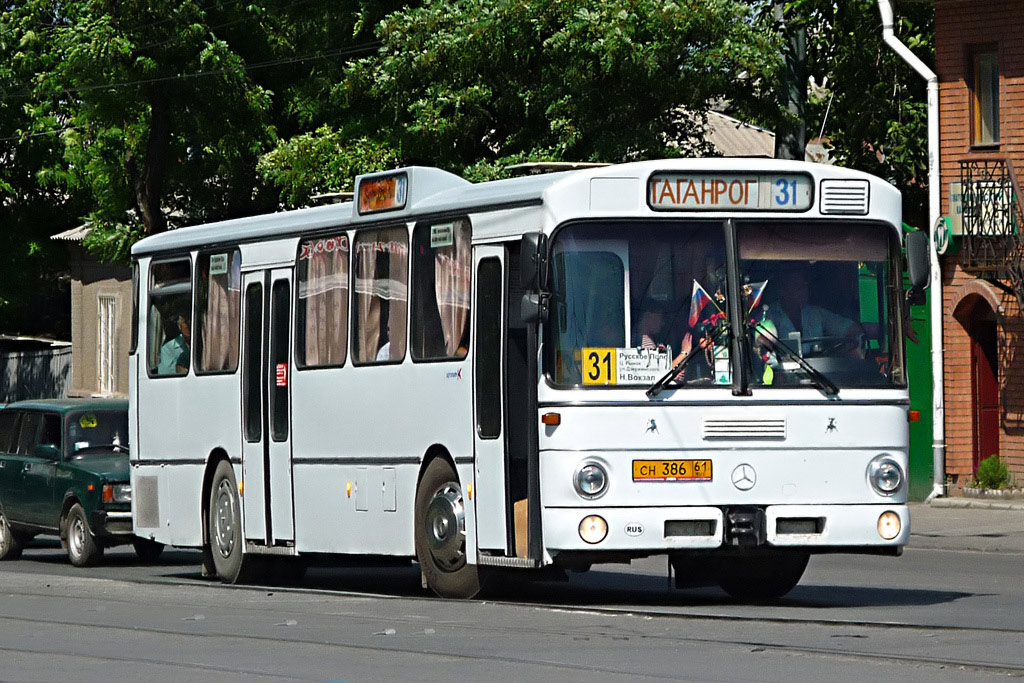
(590, 480)
(889, 525)
(593, 529)
(885, 475)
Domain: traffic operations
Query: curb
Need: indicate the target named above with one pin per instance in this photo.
(975, 504)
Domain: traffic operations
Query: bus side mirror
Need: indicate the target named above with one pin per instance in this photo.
(917, 260)
(46, 451)
(533, 255)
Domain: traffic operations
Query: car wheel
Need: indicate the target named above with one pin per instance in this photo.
(225, 527)
(147, 550)
(11, 542)
(441, 534)
(762, 578)
(83, 550)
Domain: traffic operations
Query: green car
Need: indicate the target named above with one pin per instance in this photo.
(64, 472)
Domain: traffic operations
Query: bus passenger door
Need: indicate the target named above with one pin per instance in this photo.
(279, 416)
(489, 433)
(254, 480)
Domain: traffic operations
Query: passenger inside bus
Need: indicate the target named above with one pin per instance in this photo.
(174, 354)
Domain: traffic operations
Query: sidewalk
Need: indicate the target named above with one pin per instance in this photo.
(962, 524)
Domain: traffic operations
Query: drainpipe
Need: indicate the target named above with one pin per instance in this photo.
(934, 207)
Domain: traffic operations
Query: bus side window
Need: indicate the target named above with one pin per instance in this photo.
(169, 325)
(218, 301)
(321, 307)
(441, 290)
(381, 268)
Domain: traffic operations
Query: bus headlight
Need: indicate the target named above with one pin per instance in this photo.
(885, 475)
(590, 480)
(593, 529)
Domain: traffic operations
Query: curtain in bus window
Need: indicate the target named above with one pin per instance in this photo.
(323, 299)
(220, 277)
(381, 289)
(451, 285)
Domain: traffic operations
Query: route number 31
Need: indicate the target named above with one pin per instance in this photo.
(598, 366)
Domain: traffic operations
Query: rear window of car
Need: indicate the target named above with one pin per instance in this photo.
(8, 423)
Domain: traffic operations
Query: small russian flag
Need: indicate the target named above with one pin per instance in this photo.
(754, 291)
(698, 301)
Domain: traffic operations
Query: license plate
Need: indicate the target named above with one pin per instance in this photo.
(671, 470)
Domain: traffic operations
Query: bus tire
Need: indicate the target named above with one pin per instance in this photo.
(441, 534)
(11, 542)
(225, 526)
(147, 550)
(762, 578)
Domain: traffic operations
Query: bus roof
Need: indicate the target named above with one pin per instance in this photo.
(433, 192)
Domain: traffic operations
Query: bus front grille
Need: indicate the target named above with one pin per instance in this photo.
(764, 428)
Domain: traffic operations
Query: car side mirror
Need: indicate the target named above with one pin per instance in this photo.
(533, 254)
(46, 451)
(918, 265)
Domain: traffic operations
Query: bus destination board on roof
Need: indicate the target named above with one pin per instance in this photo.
(385, 193)
(729, 192)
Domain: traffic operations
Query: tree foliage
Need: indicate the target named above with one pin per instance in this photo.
(478, 83)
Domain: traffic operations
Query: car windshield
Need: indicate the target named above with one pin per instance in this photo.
(630, 298)
(97, 431)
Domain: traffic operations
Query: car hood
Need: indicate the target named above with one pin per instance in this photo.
(111, 467)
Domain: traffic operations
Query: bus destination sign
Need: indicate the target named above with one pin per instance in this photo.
(729, 192)
(383, 194)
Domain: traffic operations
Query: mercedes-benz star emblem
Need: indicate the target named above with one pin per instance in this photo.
(744, 477)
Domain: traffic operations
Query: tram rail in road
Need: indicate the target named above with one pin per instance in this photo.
(900, 626)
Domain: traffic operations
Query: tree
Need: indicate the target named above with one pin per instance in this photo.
(478, 83)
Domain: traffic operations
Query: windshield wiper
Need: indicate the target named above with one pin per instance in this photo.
(657, 387)
(777, 346)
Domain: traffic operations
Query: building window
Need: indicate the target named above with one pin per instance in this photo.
(381, 265)
(440, 293)
(985, 97)
(107, 343)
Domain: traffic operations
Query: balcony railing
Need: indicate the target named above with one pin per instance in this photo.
(992, 243)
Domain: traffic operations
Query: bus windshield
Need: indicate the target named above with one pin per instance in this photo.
(631, 298)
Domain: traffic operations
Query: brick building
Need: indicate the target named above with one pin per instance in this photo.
(979, 54)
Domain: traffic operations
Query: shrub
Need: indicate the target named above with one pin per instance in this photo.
(992, 473)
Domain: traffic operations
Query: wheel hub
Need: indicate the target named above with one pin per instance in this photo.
(76, 537)
(446, 527)
(224, 520)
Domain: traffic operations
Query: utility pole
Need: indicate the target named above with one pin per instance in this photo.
(791, 136)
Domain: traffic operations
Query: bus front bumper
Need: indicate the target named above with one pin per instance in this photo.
(651, 530)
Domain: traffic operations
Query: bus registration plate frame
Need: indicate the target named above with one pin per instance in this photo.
(672, 470)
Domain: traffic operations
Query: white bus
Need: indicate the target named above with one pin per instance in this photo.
(698, 358)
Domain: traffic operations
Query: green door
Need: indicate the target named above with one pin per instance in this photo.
(8, 470)
(32, 498)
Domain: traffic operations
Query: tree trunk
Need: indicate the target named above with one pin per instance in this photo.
(791, 136)
(149, 184)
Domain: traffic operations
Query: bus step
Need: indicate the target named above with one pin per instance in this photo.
(745, 526)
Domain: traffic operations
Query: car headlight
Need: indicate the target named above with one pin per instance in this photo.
(117, 493)
(885, 475)
(590, 480)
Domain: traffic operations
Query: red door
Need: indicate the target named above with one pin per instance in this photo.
(984, 385)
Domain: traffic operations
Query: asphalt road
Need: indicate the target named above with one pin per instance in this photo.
(932, 615)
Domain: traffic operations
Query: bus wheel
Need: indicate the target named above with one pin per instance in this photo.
(225, 522)
(441, 534)
(11, 543)
(762, 578)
